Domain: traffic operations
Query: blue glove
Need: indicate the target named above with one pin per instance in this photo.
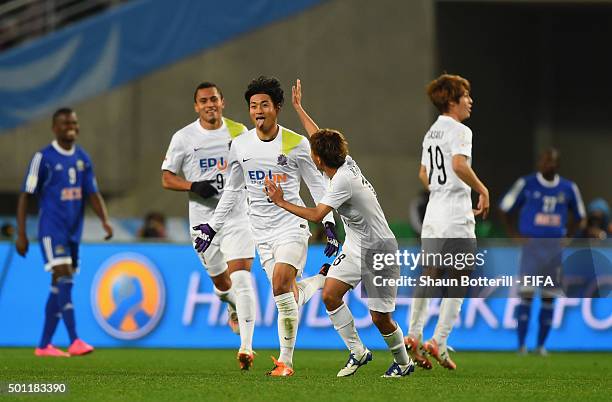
(203, 241)
(333, 245)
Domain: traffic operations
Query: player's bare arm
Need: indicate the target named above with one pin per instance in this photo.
(204, 189)
(465, 172)
(423, 177)
(275, 193)
(171, 181)
(22, 243)
(99, 207)
(296, 99)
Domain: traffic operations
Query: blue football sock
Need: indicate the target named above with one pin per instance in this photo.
(64, 301)
(52, 317)
(523, 312)
(546, 316)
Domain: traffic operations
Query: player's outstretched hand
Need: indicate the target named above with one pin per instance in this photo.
(275, 192)
(296, 94)
(333, 245)
(203, 188)
(22, 244)
(203, 241)
(108, 229)
(483, 206)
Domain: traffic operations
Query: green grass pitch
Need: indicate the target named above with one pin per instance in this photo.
(170, 375)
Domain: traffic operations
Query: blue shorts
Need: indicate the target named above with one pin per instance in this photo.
(59, 250)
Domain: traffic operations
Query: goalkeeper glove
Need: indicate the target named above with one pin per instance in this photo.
(333, 245)
(203, 241)
(203, 188)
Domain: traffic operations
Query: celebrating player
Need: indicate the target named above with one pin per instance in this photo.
(272, 151)
(61, 176)
(200, 152)
(349, 193)
(543, 200)
(446, 172)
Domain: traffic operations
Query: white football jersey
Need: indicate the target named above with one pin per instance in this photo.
(285, 160)
(450, 197)
(352, 195)
(201, 154)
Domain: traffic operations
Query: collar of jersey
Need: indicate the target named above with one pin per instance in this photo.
(61, 150)
(205, 131)
(546, 183)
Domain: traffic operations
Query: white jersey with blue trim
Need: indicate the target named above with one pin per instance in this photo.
(286, 161)
(201, 154)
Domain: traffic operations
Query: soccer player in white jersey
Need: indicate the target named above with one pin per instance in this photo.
(446, 172)
(349, 193)
(200, 152)
(272, 151)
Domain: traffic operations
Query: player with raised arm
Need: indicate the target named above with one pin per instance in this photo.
(61, 176)
(354, 198)
(542, 200)
(272, 151)
(447, 173)
(199, 151)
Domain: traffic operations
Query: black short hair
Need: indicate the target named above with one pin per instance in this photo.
(204, 85)
(61, 111)
(265, 85)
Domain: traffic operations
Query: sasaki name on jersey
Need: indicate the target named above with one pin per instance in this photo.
(258, 176)
(208, 163)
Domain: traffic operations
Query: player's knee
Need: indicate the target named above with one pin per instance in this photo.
(61, 271)
(331, 300)
(382, 321)
(279, 288)
(222, 281)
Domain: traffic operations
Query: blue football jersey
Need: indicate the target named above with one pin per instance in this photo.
(543, 205)
(61, 180)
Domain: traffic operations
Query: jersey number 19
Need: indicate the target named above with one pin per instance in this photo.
(439, 160)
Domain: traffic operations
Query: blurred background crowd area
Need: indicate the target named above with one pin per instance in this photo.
(538, 72)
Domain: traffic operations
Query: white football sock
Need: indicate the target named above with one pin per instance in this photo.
(418, 315)
(395, 342)
(308, 287)
(245, 307)
(345, 326)
(226, 296)
(287, 326)
(449, 311)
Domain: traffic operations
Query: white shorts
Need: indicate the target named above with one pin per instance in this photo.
(292, 251)
(234, 241)
(448, 230)
(347, 268)
(449, 216)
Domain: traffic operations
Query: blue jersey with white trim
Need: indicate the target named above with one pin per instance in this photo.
(543, 205)
(61, 180)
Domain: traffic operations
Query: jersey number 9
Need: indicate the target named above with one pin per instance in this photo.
(219, 181)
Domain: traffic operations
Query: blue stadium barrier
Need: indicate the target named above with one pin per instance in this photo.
(157, 295)
(115, 47)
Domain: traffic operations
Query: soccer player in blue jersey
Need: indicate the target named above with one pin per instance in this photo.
(542, 200)
(61, 177)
